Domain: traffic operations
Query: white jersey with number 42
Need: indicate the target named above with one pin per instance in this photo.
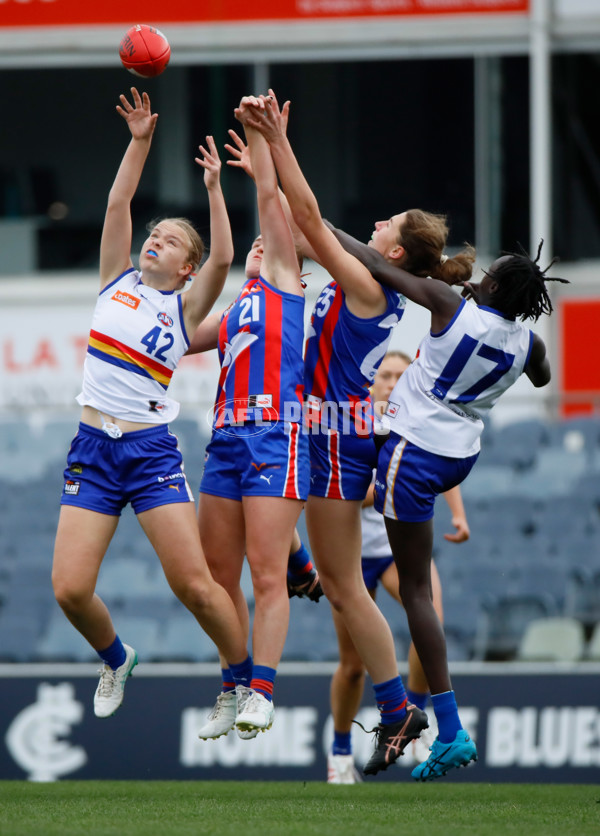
(440, 401)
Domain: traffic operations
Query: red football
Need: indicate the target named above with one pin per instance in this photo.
(144, 50)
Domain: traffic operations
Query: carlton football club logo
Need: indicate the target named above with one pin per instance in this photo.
(165, 319)
(36, 738)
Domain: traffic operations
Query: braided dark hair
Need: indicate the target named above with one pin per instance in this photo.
(521, 290)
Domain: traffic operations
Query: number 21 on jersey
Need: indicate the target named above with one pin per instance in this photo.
(249, 309)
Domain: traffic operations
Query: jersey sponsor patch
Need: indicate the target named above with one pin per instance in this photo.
(260, 401)
(126, 299)
(72, 487)
(392, 409)
(313, 403)
(179, 475)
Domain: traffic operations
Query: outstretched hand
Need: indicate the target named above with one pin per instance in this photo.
(470, 291)
(263, 114)
(462, 530)
(241, 154)
(139, 116)
(210, 162)
(244, 111)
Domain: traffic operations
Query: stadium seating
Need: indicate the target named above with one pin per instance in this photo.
(489, 479)
(575, 434)
(123, 578)
(515, 444)
(532, 501)
(582, 600)
(311, 635)
(505, 621)
(142, 633)
(593, 648)
(558, 639)
(20, 631)
(553, 473)
(462, 624)
(181, 639)
(588, 485)
(60, 642)
(458, 647)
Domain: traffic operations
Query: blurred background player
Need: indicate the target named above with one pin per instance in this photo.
(123, 451)
(378, 566)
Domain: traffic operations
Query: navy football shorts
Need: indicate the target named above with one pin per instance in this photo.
(341, 465)
(268, 459)
(373, 568)
(409, 479)
(144, 467)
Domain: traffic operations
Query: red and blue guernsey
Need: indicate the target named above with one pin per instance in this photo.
(343, 352)
(260, 350)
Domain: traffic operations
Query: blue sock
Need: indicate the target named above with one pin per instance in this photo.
(228, 680)
(342, 743)
(391, 700)
(420, 700)
(114, 655)
(446, 714)
(263, 679)
(300, 563)
(242, 673)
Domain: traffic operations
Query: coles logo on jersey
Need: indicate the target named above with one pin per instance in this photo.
(165, 319)
(126, 299)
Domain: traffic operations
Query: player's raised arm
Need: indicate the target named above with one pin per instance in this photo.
(432, 294)
(280, 262)
(115, 245)
(209, 281)
(241, 159)
(206, 335)
(364, 296)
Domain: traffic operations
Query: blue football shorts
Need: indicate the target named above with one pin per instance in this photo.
(373, 568)
(144, 467)
(270, 459)
(341, 466)
(409, 479)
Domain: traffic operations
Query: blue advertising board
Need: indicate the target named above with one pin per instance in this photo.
(531, 724)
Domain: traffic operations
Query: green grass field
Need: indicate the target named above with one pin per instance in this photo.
(170, 808)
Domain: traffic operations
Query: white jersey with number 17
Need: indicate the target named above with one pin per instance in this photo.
(440, 401)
